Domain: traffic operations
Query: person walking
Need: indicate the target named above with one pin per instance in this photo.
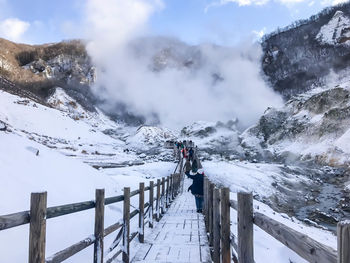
(197, 188)
(190, 154)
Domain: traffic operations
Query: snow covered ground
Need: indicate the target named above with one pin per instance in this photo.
(66, 180)
(49, 149)
(258, 178)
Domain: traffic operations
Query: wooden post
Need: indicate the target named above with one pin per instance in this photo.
(171, 187)
(37, 228)
(163, 196)
(245, 228)
(216, 225)
(210, 216)
(225, 226)
(158, 201)
(126, 225)
(343, 232)
(205, 197)
(175, 185)
(151, 202)
(167, 192)
(142, 213)
(206, 200)
(99, 225)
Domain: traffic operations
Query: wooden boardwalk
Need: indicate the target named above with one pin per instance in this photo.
(179, 236)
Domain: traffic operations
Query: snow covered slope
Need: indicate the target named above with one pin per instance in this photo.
(49, 149)
(336, 31)
(311, 127)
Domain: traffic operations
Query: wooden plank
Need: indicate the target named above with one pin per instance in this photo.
(71, 251)
(225, 226)
(234, 204)
(151, 202)
(99, 225)
(115, 199)
(167, 201)
(111, 259)
(135, 192)
(57, 211)
(13, 220)
(216, 226)
(112, 228)
(126, 225)
(158, 201)
(210, 213)
(141, 212)
(163, 196)
(37, 229)
(301, 244)
(233, 241)
(205, 201)
(343, 231)
(171, 187)
(245, 228)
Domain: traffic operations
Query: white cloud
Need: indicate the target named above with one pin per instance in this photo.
(333, 2)
(13, 28)
(256, 2)
(259, 33)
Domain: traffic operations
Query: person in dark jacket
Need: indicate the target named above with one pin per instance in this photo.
(190, 154)
(197, 188)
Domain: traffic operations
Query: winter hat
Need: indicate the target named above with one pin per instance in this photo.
(200, 171)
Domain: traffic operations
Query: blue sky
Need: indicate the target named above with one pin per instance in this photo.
(219, 21)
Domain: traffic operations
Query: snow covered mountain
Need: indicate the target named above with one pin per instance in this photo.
(337, 31)
(299, 57)
(311, 127)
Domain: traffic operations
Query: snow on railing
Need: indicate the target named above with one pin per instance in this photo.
(39, 213)
(218, 226)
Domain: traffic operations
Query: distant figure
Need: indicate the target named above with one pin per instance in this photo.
(190, 154)
(197, 189)
(184, 153)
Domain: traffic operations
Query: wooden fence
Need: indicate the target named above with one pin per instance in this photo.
(167, 189)
(217, 206)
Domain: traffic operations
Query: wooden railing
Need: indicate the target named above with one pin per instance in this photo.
(167, 189)
(217, 206)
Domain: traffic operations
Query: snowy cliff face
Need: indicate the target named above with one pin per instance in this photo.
(336, 31)
(300, 57)
(313, 127)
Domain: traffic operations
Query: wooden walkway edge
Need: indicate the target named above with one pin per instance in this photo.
(180, 236)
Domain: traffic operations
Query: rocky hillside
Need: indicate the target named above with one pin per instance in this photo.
(313, 127)
(300, 57)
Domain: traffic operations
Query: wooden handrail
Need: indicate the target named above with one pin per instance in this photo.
(71, 251)
(13, 220)
(38, 244)
(304, 246)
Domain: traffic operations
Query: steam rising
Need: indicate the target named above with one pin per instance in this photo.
(167, 78)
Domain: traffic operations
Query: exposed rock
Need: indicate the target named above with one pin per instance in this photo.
(3, 126)
(313, 127)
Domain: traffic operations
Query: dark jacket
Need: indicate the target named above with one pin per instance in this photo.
(197, 185)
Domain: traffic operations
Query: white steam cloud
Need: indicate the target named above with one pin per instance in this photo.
(178, 83)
